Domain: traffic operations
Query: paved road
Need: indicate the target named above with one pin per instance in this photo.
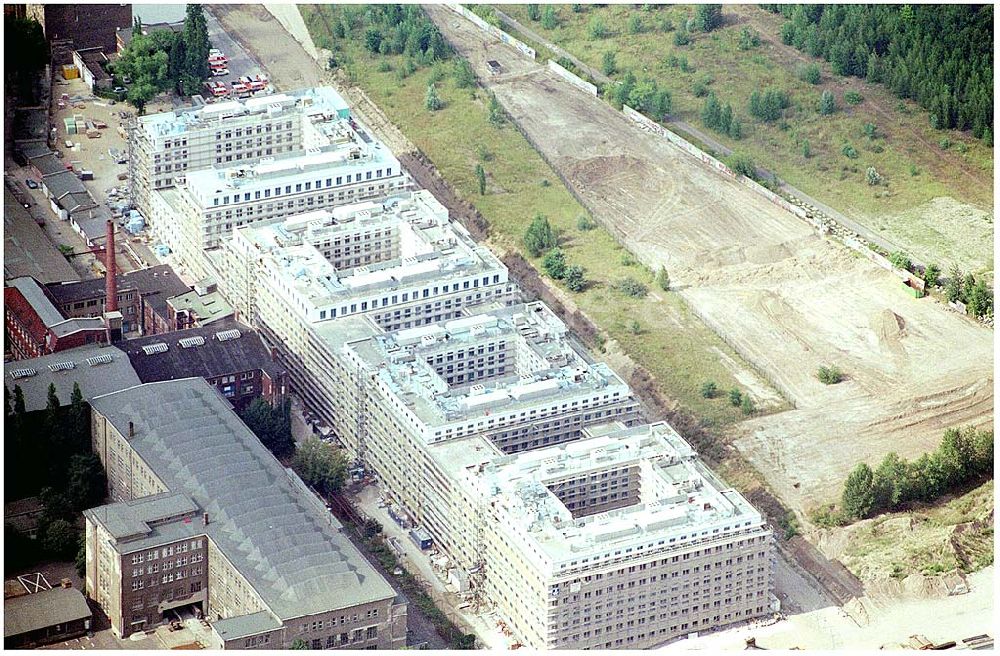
(241, 62)
(709, 141)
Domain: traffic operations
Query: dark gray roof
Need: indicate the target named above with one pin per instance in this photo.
(60, 184)
(129, 519)
(262, 517)
(94, 380)
(39, 300)
(76, 201)
(41, 609)
(213, 358)
(48, 164)
(156, 284)
(30, 148)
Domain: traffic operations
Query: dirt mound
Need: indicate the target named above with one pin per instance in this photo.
(888, 327)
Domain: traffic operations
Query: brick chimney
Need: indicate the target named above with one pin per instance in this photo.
(111, 275)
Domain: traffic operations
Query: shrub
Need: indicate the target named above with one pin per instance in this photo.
(853, 97)
(747, 406)
(631, 287)
(464, 76)
(849, 152)
(635, 328)
(549, 17)
(828, 517)
(700, 88)
(432, 101)
(872, 176)
(931, 274)
(635, 25)
(748, 39)
(663, 279)
(681, 38)
(575, 281)
(384, 66)
(768, 106)
(707, 17)
(742, 164)
(914, 171)
(534, 13)
(596, 28)
(735, 397)
(944, 143)
(608, 63)
(827, 105)
(870, 130)
(709, 389)
(585, 223)
(806, 152)
(829, 375)
(555, 264)
(481, 179)
(900, 260)
(667, 25)
(810, 74)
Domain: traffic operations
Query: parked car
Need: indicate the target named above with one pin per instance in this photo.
(120, 90)
(31, 184)
(219, 72)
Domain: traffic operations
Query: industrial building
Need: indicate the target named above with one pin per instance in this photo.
(399, 261)
(34, 326)
(203, 516)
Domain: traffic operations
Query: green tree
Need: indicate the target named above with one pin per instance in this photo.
(53, 414)
(81, 558)
(299, 643)
(608, 63)
(811, 74)
(496, 112)
(534, 13)
(554, 263)
(708, 17)
(827, 103)
(465, 78)
(735, 397)
(980, 299)
(709, 389)
(900, 260)
(663, 279)
(711, 111)
(25, 44)
(735, 129)
(662, 105)
(746, 405)
(85, 481)
(748, 39)
(596, 27)
(272, 426)
(320, 465)
(139, 95)
(575, 281)
(634, 25)
(858, 497)
(890, 482)
(196, 45)
(931, 274)
(549, 17)
(953, 288)
(539, 237)
(631, 287)
(806, 151)
(481, 179)
(79, 421)
(61, 540)
(432, 102)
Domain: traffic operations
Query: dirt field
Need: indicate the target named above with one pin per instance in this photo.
(785, 298)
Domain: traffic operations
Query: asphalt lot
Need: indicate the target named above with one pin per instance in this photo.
(240, 61)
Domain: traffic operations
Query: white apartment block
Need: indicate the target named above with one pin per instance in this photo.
(340, 166)
(620, 540)
(511, 376)
(309, 281)
(166, 146)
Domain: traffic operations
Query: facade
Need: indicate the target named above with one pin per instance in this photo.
(227, 354)
(399, 261)
(203, 516)
(142, 298)
(34, 327)
(44, 617)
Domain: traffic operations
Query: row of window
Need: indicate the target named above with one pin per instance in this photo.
(300, 187)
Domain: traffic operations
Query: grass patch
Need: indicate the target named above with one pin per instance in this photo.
(673, 344)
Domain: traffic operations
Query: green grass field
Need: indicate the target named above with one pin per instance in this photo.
(906, 152)
(671, 342)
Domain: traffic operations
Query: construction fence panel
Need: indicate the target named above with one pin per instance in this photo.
(492, 30)
(573, 79)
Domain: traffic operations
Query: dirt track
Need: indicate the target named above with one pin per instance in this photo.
(787, 299)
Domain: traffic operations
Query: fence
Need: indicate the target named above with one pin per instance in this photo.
(492, 30)
(573, 79)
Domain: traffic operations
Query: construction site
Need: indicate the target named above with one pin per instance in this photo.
(786, 298)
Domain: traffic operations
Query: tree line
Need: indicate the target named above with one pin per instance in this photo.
(941, 56)
(49, 456)
(165, 60)
(964, 456)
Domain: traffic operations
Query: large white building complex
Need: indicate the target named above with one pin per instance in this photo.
(486, 424)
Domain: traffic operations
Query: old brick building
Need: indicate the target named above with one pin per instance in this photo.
(34, 326)
(69, 27)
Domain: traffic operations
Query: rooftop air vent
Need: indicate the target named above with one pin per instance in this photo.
(189, 342)
(226, 335)
(62, 366)
(153, 349)
(23, 373)
(100, 359)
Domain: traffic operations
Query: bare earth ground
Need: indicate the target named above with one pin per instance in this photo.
(787, 299)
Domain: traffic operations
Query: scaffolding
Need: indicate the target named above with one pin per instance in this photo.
(361, 419)
(477, 575)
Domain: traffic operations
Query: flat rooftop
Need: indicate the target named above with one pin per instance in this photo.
(680, 500)
(545, 367)
(316, 102)
(209, 308)
(261, 516)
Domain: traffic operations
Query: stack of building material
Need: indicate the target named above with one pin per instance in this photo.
(70, 125)
(70, 72)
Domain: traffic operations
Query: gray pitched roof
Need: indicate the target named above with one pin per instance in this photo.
(266, 522)
(213, 358)
(94, 380)
(41, 609)
(156, 284)
(245, 625)
(60, 184)
(48, 164)
(38, 299)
